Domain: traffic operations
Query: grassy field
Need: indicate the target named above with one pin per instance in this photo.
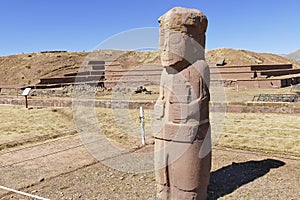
(20, 126)
(259, 131)
(279, 133)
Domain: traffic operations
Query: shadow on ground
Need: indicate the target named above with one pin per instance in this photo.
(227, 179)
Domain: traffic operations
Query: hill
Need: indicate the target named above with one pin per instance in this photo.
(26, 69)
(244, 57)
(294, 56)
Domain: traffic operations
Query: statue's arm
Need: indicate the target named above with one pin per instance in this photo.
(159, 106)
(199, 108)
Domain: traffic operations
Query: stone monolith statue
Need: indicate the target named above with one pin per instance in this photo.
(182, 139)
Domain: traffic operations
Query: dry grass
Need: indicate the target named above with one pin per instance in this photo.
(120, 126)
(252, 131)
(276, 133)
(256, 131)
(19, 126)
(130, 95)
(27, 69)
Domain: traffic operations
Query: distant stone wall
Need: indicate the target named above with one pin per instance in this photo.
(255, 76)
(256, 107)
(249, 107)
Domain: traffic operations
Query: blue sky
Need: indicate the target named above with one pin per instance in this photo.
(80, 25)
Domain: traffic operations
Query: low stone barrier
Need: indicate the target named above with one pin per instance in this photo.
(248, 107)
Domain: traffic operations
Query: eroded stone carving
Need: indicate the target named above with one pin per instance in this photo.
(182, 145)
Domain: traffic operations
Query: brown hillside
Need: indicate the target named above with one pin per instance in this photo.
(243, 57)
(27, 69)
(294, 56)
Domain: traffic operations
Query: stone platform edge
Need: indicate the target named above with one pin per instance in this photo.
(232, 107)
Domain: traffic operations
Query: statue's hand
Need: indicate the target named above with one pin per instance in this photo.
(159, 110)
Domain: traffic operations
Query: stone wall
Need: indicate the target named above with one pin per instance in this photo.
(257, 76)
(248, 107)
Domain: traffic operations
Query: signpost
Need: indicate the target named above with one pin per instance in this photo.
(26, 93)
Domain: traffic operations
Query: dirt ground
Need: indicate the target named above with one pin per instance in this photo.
(63, 169)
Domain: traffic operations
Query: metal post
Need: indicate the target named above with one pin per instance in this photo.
(142, 125)
(26, 93)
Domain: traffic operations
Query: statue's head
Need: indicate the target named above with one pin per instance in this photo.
(182, 37)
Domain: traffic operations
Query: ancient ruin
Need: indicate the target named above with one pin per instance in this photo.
(104, 74)
(108, 74)
(182, 145)
(255, 76)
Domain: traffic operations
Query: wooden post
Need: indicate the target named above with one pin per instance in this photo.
(26, 101)
(142, 125)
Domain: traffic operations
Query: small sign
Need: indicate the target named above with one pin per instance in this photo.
(26, 91)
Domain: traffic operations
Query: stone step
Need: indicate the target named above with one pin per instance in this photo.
(86, 73)
(71, 79)
(279, 72)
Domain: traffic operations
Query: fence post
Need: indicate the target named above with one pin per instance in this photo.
(142, 125)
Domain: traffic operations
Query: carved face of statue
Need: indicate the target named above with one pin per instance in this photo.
(172, 46)
(178, 49)
(182, 37)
